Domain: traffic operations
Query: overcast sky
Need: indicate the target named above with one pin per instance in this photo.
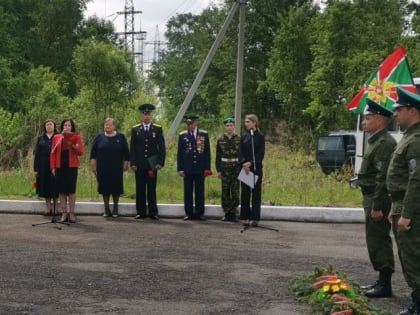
(155, 13)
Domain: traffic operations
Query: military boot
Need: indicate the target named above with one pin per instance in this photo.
(383, 287)
(412, 309)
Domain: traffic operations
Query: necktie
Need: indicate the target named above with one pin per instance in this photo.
(146, 128)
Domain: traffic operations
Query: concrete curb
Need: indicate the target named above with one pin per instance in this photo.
(286, 213)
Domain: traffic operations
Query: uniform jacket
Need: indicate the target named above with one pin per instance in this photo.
(56, 147)
(227, 149)
(372, 173)
(403, 177)
(245, 150)
(193, 153)
(147, 145)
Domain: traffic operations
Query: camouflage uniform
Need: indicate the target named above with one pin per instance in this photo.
(372, 180)
(226, 163)
(403, 183)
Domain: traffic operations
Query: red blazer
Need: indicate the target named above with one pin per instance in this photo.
(56, 147)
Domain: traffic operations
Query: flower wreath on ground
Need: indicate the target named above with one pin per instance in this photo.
(331, 293)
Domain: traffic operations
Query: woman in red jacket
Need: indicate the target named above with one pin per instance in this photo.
(64, 163)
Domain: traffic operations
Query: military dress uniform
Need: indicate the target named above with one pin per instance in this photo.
(372, 180)
(193, 158)
(147, 148)
(227, 164)
(403, 183)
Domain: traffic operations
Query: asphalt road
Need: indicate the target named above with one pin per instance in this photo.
(125, 266)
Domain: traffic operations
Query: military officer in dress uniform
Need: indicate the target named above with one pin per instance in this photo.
(227, 167)
(147, 156)
(193, 164)
(376, 202)
(403, 183)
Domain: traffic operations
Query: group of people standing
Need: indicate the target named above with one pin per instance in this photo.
(389, 178)
(56, 166)
(57, 161)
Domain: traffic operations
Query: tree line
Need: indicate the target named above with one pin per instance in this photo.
(304, 60)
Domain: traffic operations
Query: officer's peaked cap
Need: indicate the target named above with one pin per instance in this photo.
(406, 98)
(374, 108)
(191, 118)
(146, 108)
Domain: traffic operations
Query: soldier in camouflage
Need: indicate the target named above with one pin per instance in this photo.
(403, 183)
(376, 202)
(228, 169)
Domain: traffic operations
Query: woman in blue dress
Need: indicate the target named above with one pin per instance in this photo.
(109, 159)
(44, 185)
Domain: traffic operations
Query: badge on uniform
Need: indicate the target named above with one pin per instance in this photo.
(412, 164)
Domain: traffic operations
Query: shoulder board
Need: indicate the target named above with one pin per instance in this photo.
(183, 132)
(156, 125)
(138, 125)
(203, 131)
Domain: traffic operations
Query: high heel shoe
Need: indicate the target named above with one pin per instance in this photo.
(72, 218)
(63, 217)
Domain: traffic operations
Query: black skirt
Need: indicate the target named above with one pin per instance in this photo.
(66, 179)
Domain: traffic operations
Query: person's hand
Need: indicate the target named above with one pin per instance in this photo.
(158, 166)
(247, 167)
(219, 175)
(181, 173)
(36, 174)
(208, 173)
(376, 215)
(404, 224)
(53, 171)
(75, 146)
(134, 167)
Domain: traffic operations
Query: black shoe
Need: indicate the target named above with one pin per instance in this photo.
(368, 287)
(379, 290)
(409, 310)
(139, 216)
(186, 218)
(154, 217)
(234, 218)
(254, 223)
(106, 215)
(202, 218)
(225, 218)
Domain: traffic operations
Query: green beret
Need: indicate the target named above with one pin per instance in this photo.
(229, 120)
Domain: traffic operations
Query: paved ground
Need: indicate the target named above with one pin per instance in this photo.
(123, 266)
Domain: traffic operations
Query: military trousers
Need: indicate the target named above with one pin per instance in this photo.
(194, 185)
(378, 238)
(230, 190)
(410, 255)
(146, 190)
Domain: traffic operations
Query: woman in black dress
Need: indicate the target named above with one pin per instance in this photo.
(42, 171)
(250, 157)
(109, 159)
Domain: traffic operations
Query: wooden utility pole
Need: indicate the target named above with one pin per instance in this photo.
(200, 75)
(240, 67)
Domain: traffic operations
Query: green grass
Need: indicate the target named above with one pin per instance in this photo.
(289, 179)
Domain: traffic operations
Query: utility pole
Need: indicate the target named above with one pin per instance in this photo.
(240, 67)
(201, 73)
